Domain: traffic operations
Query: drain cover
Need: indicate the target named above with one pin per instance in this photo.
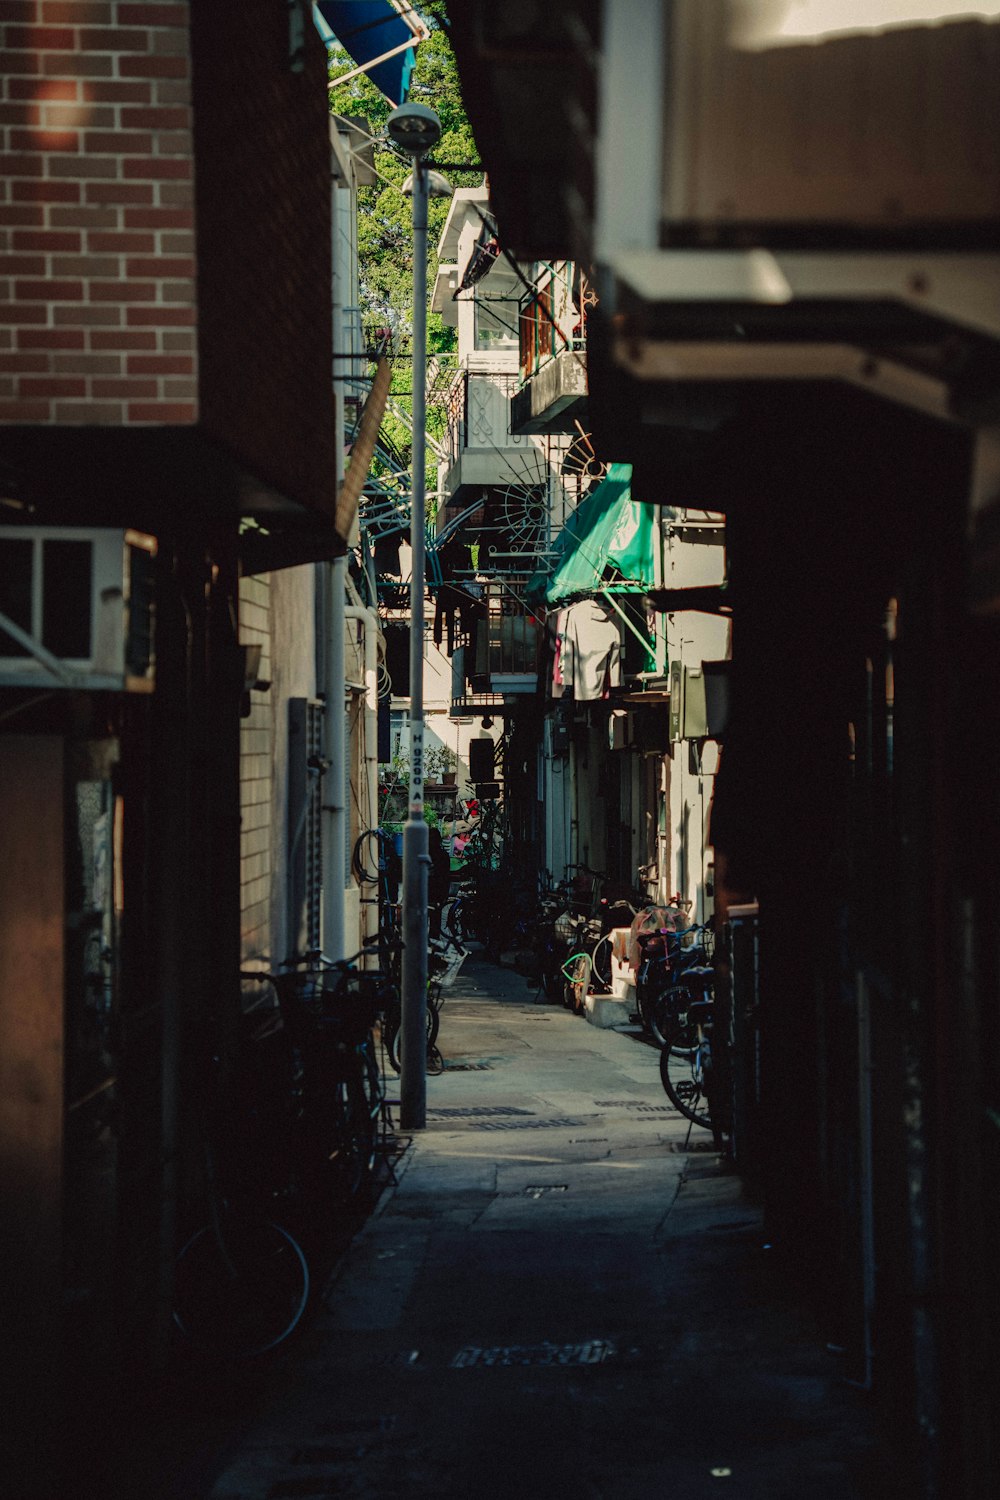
(593, 1352)
(477, 1111)
(468, 1067)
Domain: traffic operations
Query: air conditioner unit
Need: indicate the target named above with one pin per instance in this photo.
(76, 608)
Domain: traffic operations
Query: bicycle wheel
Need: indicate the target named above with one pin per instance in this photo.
(348, 1136)
(577, 971)
(666, 1012)
(393, 1032)
(240, 1289)
(683, 1074)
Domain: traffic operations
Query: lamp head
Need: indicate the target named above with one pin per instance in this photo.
(438, 185)
(414, 128)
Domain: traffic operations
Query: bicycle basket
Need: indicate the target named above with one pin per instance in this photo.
(354, 1000)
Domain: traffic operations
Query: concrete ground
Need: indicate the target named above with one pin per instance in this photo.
(563, 1295)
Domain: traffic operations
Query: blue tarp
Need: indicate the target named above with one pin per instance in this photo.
(366, 29)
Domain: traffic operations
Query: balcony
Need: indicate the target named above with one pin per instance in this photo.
(554, 398)
(480, 449)
(499, 660)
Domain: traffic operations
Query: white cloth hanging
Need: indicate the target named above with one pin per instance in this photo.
(590, 657)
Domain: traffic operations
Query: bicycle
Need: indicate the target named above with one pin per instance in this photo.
(686, 1067)
(242, 1281)
(329, 1009)
(391, 1019)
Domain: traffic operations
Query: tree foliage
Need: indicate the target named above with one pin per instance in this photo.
(385, 233)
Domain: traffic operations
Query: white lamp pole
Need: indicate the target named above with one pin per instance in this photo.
(416, 130)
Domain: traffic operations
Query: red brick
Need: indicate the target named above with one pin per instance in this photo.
(174, 143)
(25, 364)
(52, 386)
(24, 411)
(92, 365)
(153, 67)
(162, 411)
(45, 192)
(82, 12)
(93, 413)
(22, 312)
(157, 166)
(131, 390)
(118, 141)
(72, 315)
(44, 140)
(92, 167)
(49, 290)
(159, 218)
(179, 242)
(176, 194)
(22, 213)
(160, 317)
(25, 113)
(69, 116)
(41, 38)
(169, 40)
(123, 291)
(55, 89)
(28, 64)
(180, 389)
(18, 10)
(160, 266)
(122, 338)
(165, 117)
(119, 192)
(160, 364)
(51, 338)
(86, 265)
(134, 243)
(84, 218)
(153, 15)
(120, 93)
(47, 239)
(22, 265)
(113, 39)
(76, 65)
(22, 164)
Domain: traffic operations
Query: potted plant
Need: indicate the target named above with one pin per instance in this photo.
(440, 762)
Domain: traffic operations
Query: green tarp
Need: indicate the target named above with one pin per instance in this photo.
(607, 543)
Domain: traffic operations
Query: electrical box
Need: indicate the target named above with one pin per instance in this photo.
(695, 720)
(481, 759)
(78, 603)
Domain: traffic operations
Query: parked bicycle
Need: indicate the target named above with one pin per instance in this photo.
(687, 1069)
(292, 1129)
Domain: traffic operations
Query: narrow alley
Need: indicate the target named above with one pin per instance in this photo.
(563, 1295)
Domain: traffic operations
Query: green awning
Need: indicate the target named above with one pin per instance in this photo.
(606, 545)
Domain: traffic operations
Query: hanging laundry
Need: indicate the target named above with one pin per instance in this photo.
(590, 655)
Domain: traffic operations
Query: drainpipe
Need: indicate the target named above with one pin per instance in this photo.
(368, 620)
(334, 828)
(333, 582)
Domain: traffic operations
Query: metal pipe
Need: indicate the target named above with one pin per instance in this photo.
(368, 619)
(334, 804)
(413, 1031)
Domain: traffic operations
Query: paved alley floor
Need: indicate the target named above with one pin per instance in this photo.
(558, 1298)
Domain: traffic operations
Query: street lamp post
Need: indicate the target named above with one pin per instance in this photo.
(415, 129)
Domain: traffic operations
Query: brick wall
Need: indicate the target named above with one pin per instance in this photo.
(97, 254)
(256, 776)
